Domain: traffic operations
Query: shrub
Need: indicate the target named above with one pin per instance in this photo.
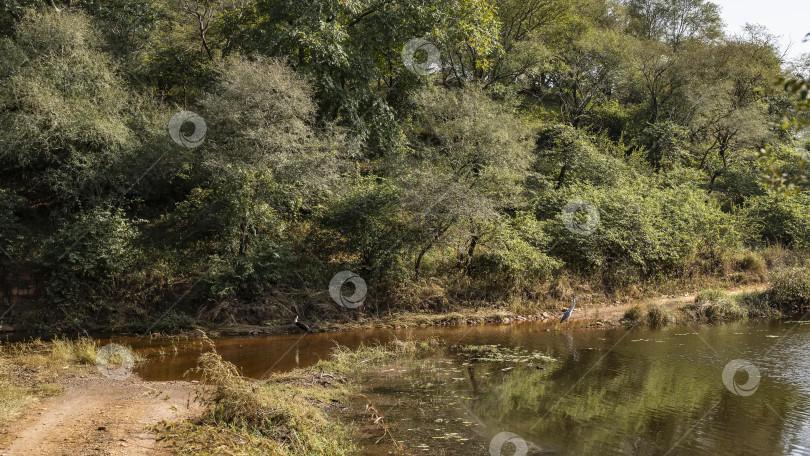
(780, 219)
(709, 296)
(565, 154)
(777, 256)
(82, 350)
(86, 255)
(231, 398)
(63, 126)
(645, 229)
(634, 315)
(717, 306)
(516, 252)
(790, 289)
(758, 305)
(658, 315)
(752, 263)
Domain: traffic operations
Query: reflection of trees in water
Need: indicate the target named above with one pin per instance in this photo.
(572, 350)
(473, 381)
(641, 407)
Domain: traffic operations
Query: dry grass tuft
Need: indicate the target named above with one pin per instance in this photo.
(287, 414)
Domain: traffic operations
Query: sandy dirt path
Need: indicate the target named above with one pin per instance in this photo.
(100, 416)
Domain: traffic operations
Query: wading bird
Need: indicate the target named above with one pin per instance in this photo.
(567, 313)
(302, 325)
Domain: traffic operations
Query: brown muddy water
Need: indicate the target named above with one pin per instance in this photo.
(605, 392)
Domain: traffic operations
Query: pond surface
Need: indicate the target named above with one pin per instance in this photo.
(606, 391)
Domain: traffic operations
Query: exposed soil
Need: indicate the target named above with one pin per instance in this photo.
(100, 416)
(614, 313)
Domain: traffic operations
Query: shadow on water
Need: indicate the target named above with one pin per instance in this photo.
(614, 391)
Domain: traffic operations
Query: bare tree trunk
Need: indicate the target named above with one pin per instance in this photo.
(204, 41)
(470, 252)
(711, 182)
(52, 4)
(561, 177)
(430, 244)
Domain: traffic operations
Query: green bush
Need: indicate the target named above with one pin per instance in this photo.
(64, 122)
(759, 305)
(634, 315)
(752, 263)
(645, 230)
(658, 316)
(717, 306)
(780, 219)
(564, 154)
(790, 289)
(516, 252)
(87, 254)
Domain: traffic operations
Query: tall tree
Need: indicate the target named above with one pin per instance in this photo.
(674, 21)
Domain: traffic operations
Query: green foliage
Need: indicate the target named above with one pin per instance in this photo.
(590, 62)
(658, 315)
(790, 289)
(465, 157)
(346, 46)
(646, 228)
(123, 20)
(566, 154)
(87, 255)
(365, 223)
(11, 227)
(674, 21)
(717, 306)
(666, 145)
(64, 121)
(780, 219)
(261, 114)
(516, 252)
(324, 151)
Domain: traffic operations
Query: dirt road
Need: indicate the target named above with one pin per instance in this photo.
(616, 312)
(100, 416)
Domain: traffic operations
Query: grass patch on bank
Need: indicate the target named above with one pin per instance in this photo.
(30, 371)
(710, 306)
(788, 294)
(286, 414)
(714, 306)
(790, 290)
(659, 315)
(654, 315)
(13, 400)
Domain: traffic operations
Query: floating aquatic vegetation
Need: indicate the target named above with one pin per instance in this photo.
(500, 354)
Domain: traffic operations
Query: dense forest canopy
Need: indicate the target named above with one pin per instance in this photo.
(305, 143)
